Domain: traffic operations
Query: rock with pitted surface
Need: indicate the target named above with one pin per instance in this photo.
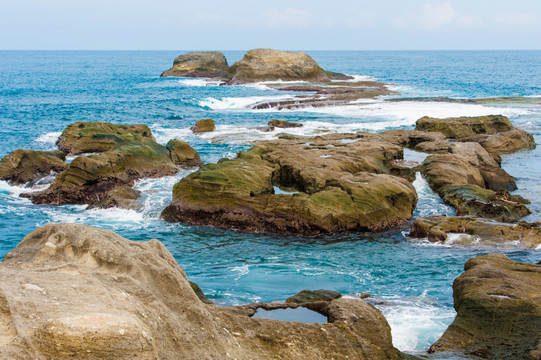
(477, 231)
(272, 65)
(97, 137)
(181, 153)
(203, 125)
(506, 142)
(73, 291)
(210, 64)
(498, 305)
(28, 166)
(333, 185)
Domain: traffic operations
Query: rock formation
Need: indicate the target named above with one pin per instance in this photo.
(211, 64)
(477, 231)
(498, 305)
(203, 125)
(181, 153)
(335, 186)
(28, 166)
(73, 291)
(271, 65)
(121, 197)
(282, 124)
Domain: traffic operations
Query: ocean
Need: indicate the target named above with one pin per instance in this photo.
(41, 92)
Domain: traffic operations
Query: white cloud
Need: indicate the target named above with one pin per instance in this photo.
(290, 18)
(361, 20)
(514, 19)
(434, 16)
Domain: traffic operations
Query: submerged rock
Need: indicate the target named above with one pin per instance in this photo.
(73, 291)
(203, 125)
(121, 197)
(181, 153)
(211, 64)
(283, 124)
(271, 65)
(338, 186)
(28, 166)
(498, 305)
(477, 231)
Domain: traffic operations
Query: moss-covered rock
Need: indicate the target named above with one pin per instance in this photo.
(306, 296)
(283, 124)
(498, 307)
(181, 153)
(336, 187)
(96, 137)
(462, 127)
(477, 231)
(28, 166)
(212, 64)
(203, 125)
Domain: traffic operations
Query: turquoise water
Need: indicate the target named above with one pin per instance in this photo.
(42, 92)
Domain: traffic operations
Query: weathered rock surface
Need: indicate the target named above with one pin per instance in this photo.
(498, 305)
(506, 142)
(462, 127)
(337, 186)
(271, 65)
(283, 124)
(129, 153)
(203, 125)
(306, 296)
(97, 137)
(211, 64)
(121, 197)
(28, 166)
(73, 291)
(181, 153)
(477, 231)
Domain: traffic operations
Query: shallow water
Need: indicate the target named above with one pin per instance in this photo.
(42, 92)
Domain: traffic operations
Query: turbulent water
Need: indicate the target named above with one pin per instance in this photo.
(42, 92)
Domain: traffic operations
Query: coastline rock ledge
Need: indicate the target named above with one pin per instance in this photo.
(73, 291)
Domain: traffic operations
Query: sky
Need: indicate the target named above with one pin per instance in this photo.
(280, 24)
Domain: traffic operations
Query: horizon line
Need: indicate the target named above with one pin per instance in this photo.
(271, 48)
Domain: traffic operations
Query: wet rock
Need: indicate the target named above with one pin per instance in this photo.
(339, 186)
(498, 307)
(97, 137)
(211, 64)
(121, 197)
(203, 125)
(306, 296)
(462, 127)
(271, 65)
(283, 124)
(28, 166)
(477, 231)
(476, 201)
(197, 290)
(73, 291)
(130, 154)
(506, 142)
(181, 153)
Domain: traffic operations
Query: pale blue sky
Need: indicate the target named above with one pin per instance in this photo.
(243, 24)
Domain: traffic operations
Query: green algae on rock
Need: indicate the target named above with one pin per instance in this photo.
(28, 166)
(339, 187)
(211, 64)
(203, 125)
(181, 153)
(498, 305)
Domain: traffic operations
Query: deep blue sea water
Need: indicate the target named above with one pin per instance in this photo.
(41, 92)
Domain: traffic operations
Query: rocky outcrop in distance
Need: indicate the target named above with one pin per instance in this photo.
(210, 64)
(498, 305)
(74, 291)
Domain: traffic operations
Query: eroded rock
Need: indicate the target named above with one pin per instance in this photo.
(73, 291)
(306, 296)
(203, 125)
(181, 153)
(498, 305)
(211, 64)
(121, 197)
(28, 166)
(462, 127)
